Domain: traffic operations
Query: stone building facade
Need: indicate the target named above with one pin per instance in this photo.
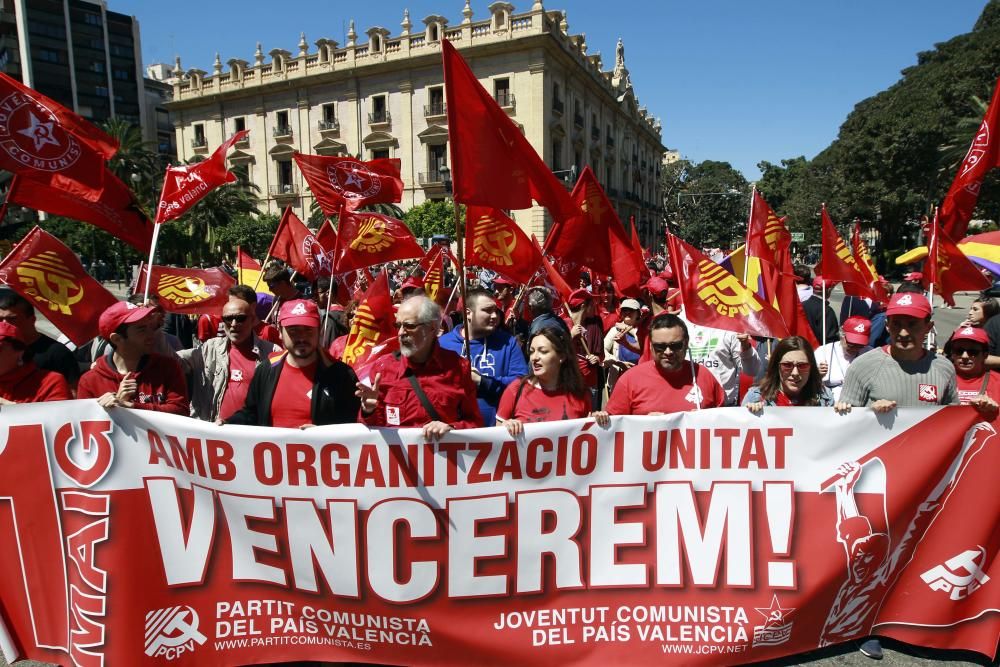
(381, 95)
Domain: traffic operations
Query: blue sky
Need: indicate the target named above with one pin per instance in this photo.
(731, 80)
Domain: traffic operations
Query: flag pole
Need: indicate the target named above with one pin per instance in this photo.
(746, 240)
(460, 242)
(149, 266)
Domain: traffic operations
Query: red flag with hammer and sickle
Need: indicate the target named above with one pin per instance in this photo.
(51, 278)
(367, 238)
(495, 241)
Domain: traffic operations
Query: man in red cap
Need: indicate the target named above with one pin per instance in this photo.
(133, 376)
(424, 386)
(967, 348)
(903, 373)
(302, 386)
(22, 381)
(833, 359)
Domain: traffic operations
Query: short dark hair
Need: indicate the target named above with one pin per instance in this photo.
(323, 283)
(909, 287)
(803, 273)
(668, 321)
(11, 300)
(244, 293)
(476, 293)
(276, 273)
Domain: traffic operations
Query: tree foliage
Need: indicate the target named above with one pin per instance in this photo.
(885, 166)
(707, 202)
(431, 218)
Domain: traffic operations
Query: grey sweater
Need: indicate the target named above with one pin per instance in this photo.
(877, 376)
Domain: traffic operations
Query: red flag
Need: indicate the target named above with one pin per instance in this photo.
(336, 181)
(865, 264)
(45, 141)
(713, 297)
(327, 239)
(493, 164)
(370, 238)
(836, 264)
(184, 186)
(115, 211)
(554, 278)
(640, 253)
(434, 277)
(767, 236)
(947, 267)
(373, 329)
(495, 241)
(298, 247)
(188, 291)
(983, 155)
(49, 275)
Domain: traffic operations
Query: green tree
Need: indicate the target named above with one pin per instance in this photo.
(709, 203)
(431, 218)
(251, 233)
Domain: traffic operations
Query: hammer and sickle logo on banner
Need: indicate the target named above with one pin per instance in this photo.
(182, 290)
(46, 279)
(493, 241)
(721, 290)
(371, 236)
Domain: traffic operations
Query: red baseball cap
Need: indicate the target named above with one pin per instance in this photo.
(974, 334)
(298, 312)
(578, 297)
(909, 303)
(412, 281)
(121, 313)
(656, 285)
(8, 330)
(857, 330)
(913, 277)
(501, 280)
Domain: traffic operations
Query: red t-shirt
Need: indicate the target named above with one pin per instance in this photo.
(292, 403)
(209, 327)
(970, 388)
(31, 384)
(242, 364)
(538, 405)
(644, 388)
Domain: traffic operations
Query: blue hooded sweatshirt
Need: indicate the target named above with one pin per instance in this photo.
(499, 360)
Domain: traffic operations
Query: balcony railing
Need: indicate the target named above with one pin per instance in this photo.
(375, 117)
(199, 142)
(504, 98)
(432, 177)
(286, 190)
(282, 132)
(435, 109)
(557, 105)
(325, 125)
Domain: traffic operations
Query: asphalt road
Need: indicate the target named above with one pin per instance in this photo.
(946, 321)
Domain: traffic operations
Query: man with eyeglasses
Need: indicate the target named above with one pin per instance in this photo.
(424, 386)
(303, 386)
(833, 359)
(670, 382)
(220, 371)
(967, 348)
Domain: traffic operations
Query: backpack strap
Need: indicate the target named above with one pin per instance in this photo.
(517, 397)
(422, 397)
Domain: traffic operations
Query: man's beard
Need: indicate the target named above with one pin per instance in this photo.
(407, 349)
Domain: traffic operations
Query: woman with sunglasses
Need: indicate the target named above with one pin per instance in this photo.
(977, 385)
(553, 390)
(792, 378)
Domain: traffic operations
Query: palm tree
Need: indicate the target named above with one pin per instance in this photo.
(951, 154)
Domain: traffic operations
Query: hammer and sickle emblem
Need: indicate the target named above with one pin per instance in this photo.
(593, 205)
(58, 290)
(371, 236)
(494, 241)
(721, 290)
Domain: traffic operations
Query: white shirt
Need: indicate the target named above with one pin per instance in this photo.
(835, 357)
(722, 354)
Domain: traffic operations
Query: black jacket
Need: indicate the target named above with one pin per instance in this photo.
(333, 399)
(813, 307)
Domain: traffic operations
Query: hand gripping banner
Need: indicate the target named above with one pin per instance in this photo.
(714, 537)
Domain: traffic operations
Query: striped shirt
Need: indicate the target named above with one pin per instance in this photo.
(876, 376)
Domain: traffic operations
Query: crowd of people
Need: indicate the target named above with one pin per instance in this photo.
(508, 355)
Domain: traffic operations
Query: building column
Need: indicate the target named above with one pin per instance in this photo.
(407, 145)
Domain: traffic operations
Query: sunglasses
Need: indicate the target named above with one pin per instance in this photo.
(230, 319)
(960, 351)
(802, 366)
(660, 348)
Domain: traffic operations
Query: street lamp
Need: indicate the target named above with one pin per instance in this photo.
(445, 174)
